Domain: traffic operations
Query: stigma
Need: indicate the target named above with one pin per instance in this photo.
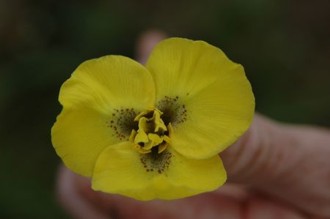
(152, 134)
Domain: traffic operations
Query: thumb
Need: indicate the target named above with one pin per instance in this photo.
(289, 162)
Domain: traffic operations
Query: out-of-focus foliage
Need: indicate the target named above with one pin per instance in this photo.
(283, 45)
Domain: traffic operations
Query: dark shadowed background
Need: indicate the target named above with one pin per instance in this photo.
(284, 46)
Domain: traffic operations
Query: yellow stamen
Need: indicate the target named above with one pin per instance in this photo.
(152, 132)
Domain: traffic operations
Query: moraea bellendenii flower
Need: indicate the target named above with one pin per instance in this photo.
(154, 131)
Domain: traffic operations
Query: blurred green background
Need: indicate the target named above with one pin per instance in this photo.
(284, 46)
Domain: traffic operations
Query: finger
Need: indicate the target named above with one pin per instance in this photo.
(204, 206)
(258, 207)
(209, 205)
(73, 195)
(290, 162)
(146, 43)
(229, 202)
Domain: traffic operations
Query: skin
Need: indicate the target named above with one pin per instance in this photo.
(275, 170)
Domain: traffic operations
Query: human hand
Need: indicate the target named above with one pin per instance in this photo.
(274, 171)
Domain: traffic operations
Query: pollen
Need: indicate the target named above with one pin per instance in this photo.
(175, 112)
(156, 162)
(122, 122)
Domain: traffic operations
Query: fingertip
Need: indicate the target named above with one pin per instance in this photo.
(146, 42)
(74, 195)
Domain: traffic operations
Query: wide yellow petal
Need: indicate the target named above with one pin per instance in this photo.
(190, 176)
(107, 83)
(79, 136)
(122, 170)
(100, 102)
(208, 97)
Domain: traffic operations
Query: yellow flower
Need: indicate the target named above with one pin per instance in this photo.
(154, 131)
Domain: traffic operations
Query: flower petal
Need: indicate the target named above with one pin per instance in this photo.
(109, 82)
(122, 170)
(100, 102)
(79, 136)
(211, 97)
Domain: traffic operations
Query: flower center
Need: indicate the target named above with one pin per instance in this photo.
(152, 134)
